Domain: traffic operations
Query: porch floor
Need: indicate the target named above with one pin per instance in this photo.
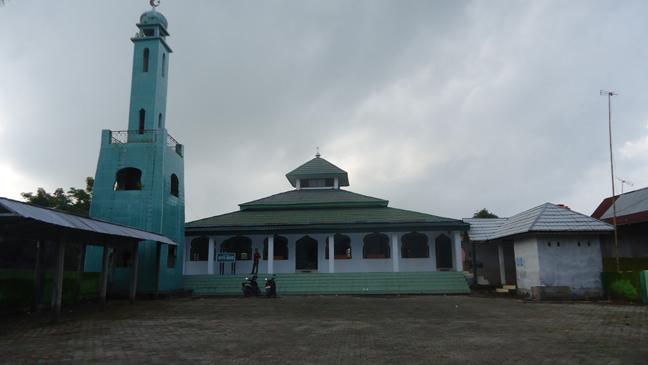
(439, 282)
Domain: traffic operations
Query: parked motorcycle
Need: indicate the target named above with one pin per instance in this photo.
(251, 288)
(271, 287)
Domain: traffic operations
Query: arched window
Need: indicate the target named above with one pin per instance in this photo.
(443, 250)
(376, 246)
(175, 185)
(199, 249)
(415, 246)
(160, 120)
(163, 63)
(129, 178)
(146, 60)
(280, 248)
(240, 245)
(141, 121)
(341, 249)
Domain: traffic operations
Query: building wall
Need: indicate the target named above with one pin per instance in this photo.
(570, 264)
(527, 264)
(633, 242)
(356, 264)
(151, 208)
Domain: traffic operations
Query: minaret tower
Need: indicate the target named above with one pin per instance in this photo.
(140, 174)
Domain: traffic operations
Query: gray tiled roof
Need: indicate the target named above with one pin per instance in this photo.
(482, 229)
(313, 197)
(543, 218)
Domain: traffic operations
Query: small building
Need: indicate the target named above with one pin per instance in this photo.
(546, 246)
(318, 227)
(632, 231)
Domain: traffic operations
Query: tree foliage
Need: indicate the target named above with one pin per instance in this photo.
(484, 213)
(73, 201)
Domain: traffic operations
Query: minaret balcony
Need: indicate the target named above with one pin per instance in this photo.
(143, 136)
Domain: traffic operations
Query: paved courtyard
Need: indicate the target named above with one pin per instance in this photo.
(332, 329)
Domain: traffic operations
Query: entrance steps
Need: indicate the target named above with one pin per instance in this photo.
(506, 289)
(436, 282)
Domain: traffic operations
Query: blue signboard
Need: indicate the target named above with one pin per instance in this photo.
(226, 257)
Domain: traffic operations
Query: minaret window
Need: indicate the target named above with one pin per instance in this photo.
(163, 63)
(146, 60)
(141, 121)
(160, 121)
(129, 178)
(149, 32)
(175, 185)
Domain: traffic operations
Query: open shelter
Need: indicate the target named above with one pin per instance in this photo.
(27, 221)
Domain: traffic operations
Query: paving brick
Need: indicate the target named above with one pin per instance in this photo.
(332, 329)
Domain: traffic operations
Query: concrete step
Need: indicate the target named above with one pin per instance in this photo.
(509, 287)
(342, 283)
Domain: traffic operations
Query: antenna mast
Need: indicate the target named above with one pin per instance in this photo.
(616, 235)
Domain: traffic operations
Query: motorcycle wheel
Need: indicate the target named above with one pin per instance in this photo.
(247, 293)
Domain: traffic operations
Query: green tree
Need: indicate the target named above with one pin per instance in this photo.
(73, 201)
(484, 213)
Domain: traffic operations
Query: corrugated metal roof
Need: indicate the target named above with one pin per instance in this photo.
(629, 203)
(303, 197)
(543, 218)
(34, 217)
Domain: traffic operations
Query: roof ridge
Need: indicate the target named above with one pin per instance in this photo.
(544, 209)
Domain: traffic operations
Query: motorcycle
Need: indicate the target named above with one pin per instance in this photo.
(271, 287)
(251, 288)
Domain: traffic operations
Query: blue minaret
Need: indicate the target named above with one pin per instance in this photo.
(140, 173)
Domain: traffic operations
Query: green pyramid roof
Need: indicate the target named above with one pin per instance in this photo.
(307, 198)
(318, 168)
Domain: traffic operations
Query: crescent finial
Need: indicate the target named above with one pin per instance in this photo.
(154, 3)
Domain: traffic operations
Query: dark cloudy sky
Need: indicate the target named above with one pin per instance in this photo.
(442, 107)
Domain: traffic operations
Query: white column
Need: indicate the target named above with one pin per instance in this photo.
(331, 253)
(271, 253)
(500, 248)
(458, 265)
(394, 246)
(210, 257)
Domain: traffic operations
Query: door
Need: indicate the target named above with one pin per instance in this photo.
(443, 246)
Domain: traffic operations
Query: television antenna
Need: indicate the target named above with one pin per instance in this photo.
(624, 182)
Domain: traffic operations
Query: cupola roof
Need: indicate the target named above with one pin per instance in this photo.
(318, 168)
(154, 17)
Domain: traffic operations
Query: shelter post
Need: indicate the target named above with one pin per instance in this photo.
(158, 258)
(57, 293)
(80, 272)
(133, 288)
(37, 276)
(104, 277)
(112, 264)
(474, 254)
